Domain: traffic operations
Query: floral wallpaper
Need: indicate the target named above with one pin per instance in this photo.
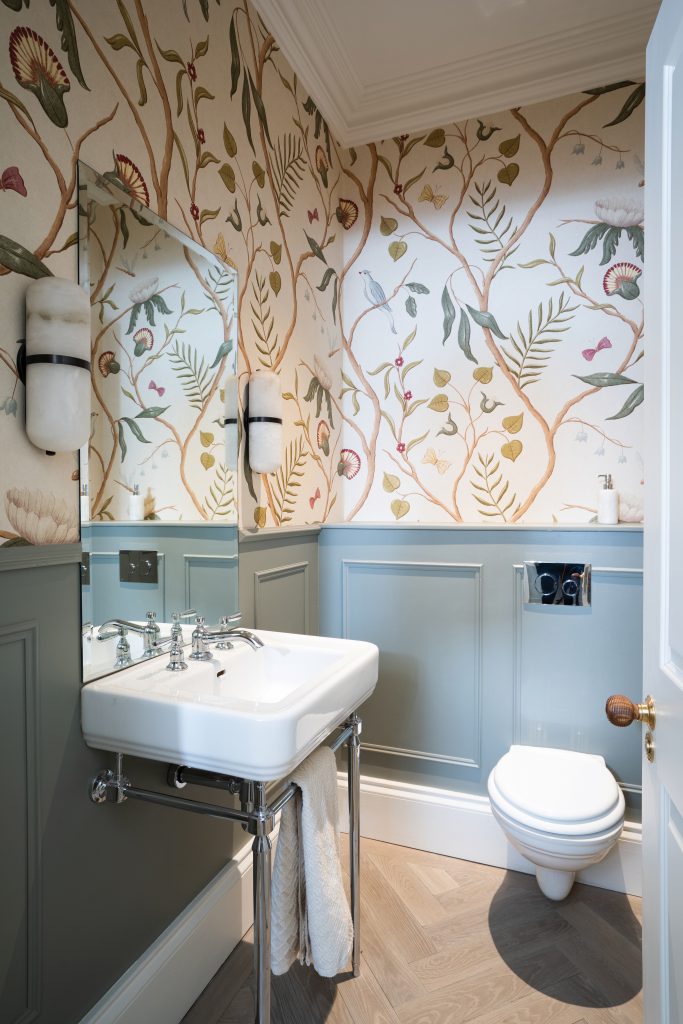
(493, 316)
(163, 340)
(456, 316)
(189, 105)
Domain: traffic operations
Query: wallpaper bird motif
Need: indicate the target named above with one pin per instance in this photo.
(456, 316)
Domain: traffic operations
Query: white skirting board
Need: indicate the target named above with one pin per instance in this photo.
(462, 825)
(161, 986)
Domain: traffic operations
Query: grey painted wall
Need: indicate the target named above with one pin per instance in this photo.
(465, 669)
(84, 890)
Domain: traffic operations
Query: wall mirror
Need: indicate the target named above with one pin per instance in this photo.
(158, 476)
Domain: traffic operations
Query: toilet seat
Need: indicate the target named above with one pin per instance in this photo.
(556, 792)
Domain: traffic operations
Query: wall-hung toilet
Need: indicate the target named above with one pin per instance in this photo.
(561, 809)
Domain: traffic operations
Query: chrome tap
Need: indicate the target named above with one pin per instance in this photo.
(149, 632)
(222, 635)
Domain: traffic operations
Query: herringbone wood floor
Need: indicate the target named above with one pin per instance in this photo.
(446, 942)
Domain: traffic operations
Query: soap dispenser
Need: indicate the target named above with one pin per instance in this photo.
(608, 502)
(136, 505)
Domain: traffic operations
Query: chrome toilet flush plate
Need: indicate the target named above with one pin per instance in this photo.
(566, 584)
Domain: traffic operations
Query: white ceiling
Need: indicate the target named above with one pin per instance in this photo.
(377, 68)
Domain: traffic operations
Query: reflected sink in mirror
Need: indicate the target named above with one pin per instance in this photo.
(163, 413)
(254, 714)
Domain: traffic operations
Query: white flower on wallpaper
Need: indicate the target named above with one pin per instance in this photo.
(39, 518)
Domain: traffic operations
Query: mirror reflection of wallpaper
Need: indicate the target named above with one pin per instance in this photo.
(163, 342)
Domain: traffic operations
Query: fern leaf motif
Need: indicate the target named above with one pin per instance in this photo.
(289, 171)
(192, 372)
(288, 481)
(492, 492)
(530, 350)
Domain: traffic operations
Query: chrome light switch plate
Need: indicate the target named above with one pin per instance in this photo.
(567, 584)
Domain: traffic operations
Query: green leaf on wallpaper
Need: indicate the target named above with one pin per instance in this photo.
(125, 392)
(411, 306)
(409, 340)
(259, 174)
(289, 171)
(390, 482)
(632, 402)
(139, 71)
(208, 215)
(20, 260)
(416, 441)
(224, 349)
(122, 442)
(246, 110)
(448, 314)
(509, 148)
(235, 62)
(400, 508)
(315, 248)
(397, 249)
(632, 103)
(531, 264)
(386, 165)
(208, 158)
(436, 138)
(411, 181)
(134, 429)
(183, 158)
(202, 48)
(276, 252)
(152, 412)
(275, 281)
(506, 175)
(172, 56)
(387, 225)
(261, 215)
(14, 5)
(228, 177)
(464, 336)
(201, 93)
(418, 289)
(119, 41)
(327, 277)
(68, 41)
(125, 234)
(511, 450)
(229, 141)
(612, 87)
(605, 380)
(14, 101)
(486, 319)
(441, 378)
(260, 109)
(439, 403)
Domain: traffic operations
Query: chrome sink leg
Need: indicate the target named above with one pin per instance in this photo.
(354, 835)
(261, 851)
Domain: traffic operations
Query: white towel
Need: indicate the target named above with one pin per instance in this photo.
(311, 919)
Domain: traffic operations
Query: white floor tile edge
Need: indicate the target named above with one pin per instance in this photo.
(462, 825)
(161, 986)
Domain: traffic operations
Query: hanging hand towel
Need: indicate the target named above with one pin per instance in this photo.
(311, 919)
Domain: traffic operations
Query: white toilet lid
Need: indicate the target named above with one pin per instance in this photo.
(556, 790)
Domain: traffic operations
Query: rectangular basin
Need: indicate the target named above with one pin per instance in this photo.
(250, 713)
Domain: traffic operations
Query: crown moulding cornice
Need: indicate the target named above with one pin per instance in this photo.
(553, 65)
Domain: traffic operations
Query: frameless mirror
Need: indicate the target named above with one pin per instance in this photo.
(158, 476)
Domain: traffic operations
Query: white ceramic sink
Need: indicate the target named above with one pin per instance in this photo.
(251, 713)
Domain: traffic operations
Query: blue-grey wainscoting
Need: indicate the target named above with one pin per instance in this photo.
(465, 668)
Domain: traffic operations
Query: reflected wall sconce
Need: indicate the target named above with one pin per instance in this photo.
(264, 422)
(56, 365)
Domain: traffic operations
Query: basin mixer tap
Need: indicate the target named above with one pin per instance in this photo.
(222, 636)
(149, 632)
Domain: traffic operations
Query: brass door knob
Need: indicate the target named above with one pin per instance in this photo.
(621, 711)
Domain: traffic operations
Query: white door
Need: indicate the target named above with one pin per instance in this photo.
(663, 657)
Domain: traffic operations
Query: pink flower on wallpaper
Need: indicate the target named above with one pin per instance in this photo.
(130, 177)
(11, 180)
(37, 68)
(349, 463)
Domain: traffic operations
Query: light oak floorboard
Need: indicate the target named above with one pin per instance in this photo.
(452, 942)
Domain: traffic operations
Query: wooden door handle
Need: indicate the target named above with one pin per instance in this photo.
(621, 711)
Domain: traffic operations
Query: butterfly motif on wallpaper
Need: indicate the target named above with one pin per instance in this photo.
(428, 195)
(589, 353)
(430, 459)
(314, 497)
(156, 387)
(313, 215)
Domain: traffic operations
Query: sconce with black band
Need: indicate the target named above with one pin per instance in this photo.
(264, 422)
(56, 365)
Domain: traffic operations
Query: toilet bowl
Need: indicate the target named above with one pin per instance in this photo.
(561, 809)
